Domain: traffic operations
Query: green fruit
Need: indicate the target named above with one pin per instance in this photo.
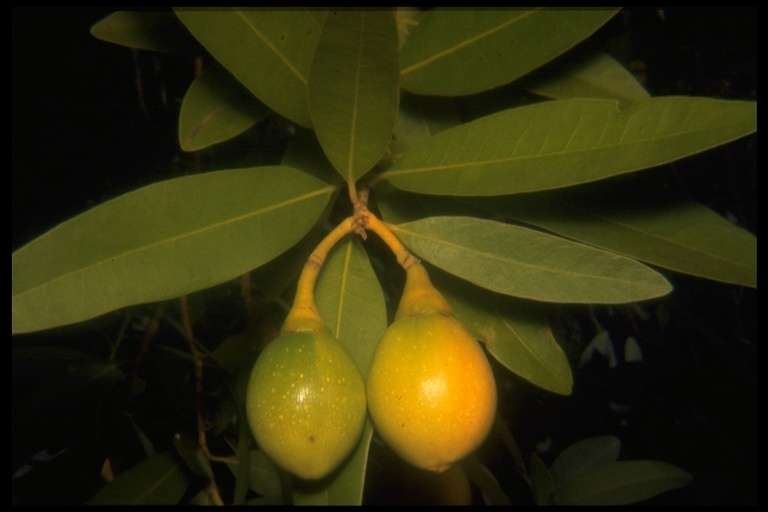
(306, 403)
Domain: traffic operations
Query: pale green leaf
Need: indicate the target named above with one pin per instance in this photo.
(156, 31)
(351, 302)
(542, 485)
(216, 108)
(622, 483)
(524, 263)
(353, 88)
(556, 144)
(676, 234)
(516, 333)
(268, 50)
(455, 52)
(582, 456)
(158, 480)
(162, 241)
(586, 75)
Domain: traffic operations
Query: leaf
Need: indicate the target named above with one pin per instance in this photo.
(622, 483)
(556, 144)
(458, 52)
(645, 224)
(420, 117)
(268, 50)
(162, 241)
(583, 456)
(581, 74)
(156, 31)
(216, 108)
(516, 333)
(542, 485)
(158, 480)
(354, 89)
(520, 262)
(351, 302)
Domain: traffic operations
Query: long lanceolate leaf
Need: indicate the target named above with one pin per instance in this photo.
(269, 50)
(524, 263)
(162, 241)
(354, 88)
(557, 144)
(455, 52)
(679, 235)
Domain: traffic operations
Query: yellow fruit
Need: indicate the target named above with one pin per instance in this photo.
(306, 403)
(431, 391)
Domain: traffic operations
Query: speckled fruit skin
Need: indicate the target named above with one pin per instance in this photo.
(431, 391)
(306, 403)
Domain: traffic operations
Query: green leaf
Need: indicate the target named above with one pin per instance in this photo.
(458, 52)
(162, 241)
(420, 117)
(516, 333)
(675, 234)
(556, 144)
(304, 152)
(216, 108)
(520, 262)
(581, 74)
(157, 31)
(622, 483)
(583, 456)
(353, 88)
(542, 485)
(351, 302)
(268, 50)
(158, 480)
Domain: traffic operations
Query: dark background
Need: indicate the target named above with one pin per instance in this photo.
(81, 135)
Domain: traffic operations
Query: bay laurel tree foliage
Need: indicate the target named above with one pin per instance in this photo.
(515, 204)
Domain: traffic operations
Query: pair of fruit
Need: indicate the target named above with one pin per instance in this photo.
(430, 390)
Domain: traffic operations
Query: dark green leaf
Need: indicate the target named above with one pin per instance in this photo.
(520, 262)
(555, 144)
(216, 108)
(353, 88)
(162, 241)
(158, 480)
(622, 483)
(268, 50)
(158, 31)
(541, 481)
(586, 75)
(582, 456)
(455, 52)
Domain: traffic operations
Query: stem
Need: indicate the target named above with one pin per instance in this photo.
(405, 258)
(303, 315)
